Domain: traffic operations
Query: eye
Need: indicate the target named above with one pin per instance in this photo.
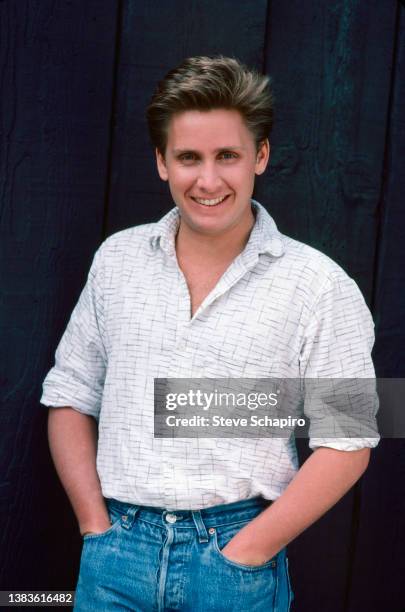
(187, 157)
(228, 155)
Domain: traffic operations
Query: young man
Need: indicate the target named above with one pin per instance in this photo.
(211, 290)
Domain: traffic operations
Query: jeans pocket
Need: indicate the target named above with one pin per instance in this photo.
(223, 534)
(116, 516)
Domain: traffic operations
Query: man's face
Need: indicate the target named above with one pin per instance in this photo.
(210, 163)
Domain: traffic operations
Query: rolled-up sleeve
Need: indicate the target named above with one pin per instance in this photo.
(341, 401)
(77, 378)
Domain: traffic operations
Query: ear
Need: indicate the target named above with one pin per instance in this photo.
(262, 157)
(161, 165)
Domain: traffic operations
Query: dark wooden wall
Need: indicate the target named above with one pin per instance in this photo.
(76, 165)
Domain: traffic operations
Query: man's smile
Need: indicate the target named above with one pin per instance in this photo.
(210, 202)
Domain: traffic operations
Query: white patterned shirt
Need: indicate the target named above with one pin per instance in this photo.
(282, 309)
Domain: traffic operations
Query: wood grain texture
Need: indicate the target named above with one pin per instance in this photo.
(156, 36)
(330, 63)
(379, 565)
(56, 62)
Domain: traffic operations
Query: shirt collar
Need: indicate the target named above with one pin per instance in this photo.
(264, 237)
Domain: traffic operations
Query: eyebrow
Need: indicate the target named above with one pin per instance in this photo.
(231, 148)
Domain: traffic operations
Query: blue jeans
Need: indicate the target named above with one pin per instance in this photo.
(157, 560)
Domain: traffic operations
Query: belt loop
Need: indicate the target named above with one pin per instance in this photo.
(199, 523)
(128, 518)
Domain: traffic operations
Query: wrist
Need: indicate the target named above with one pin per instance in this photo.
(92, 515)
(95, 530)
(247, 545)
(95, 526)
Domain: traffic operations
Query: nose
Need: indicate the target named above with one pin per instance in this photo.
(208, 179)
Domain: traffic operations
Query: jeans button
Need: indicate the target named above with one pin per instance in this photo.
(171, 518)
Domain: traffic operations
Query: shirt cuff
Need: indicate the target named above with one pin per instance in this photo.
(81, 398)
(344, 444)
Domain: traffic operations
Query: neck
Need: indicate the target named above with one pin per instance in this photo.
(196, 246)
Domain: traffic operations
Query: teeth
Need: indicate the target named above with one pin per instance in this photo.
(210, 202)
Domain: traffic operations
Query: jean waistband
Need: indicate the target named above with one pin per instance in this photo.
(202, 520)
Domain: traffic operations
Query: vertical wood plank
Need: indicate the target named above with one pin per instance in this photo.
(330, 63)
(56, 79)
(379, 564)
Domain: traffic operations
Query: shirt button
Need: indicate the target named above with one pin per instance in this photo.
(171, 518)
